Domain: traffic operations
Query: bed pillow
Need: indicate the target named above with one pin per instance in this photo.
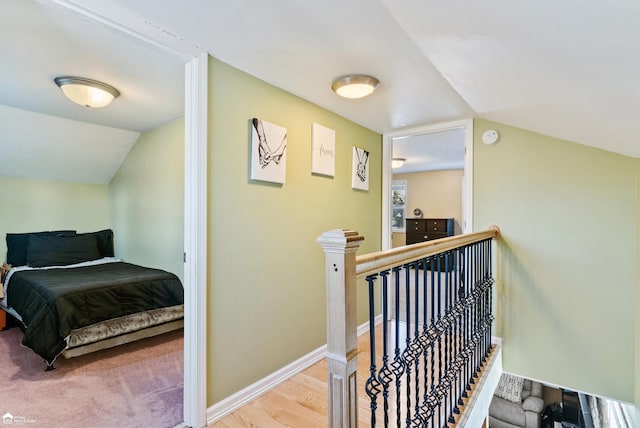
(104, 239)
(17, 244)
(61, 250)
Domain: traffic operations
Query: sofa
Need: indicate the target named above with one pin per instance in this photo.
(517, 402)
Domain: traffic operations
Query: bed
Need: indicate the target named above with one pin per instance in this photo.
(73, 296)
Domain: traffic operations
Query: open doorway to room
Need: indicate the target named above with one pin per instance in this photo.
(115, 61)
(428, 175)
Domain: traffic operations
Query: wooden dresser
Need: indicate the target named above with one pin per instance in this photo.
(427, 229)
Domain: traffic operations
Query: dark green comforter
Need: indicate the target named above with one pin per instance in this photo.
(52, 302)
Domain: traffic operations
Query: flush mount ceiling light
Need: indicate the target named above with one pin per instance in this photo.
(355, 86)
(87, 92)
(397, 162)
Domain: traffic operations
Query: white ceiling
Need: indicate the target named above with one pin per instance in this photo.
(564, 69)
(430, 152)
(44, 135)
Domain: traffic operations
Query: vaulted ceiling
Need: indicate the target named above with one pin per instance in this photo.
(564, 69)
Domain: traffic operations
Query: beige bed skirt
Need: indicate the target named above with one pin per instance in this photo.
(118, 331)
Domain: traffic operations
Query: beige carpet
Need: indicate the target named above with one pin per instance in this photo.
(133, 385)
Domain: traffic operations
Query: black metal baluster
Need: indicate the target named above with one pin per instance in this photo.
(471, 316)
(372, 386)
(407, 351)
(416, 344)
(440, 332)
(474, 310)
(385, 375)
(485, 342)
(432, 399)
(490, 291)
(398, 366)
(485, 313)
(479, 307)
(445, 382)
(457, 395)
(478, 310)
(465, 319)
(425, 342)
(460, 338)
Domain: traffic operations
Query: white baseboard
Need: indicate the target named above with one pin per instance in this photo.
(244, 396)
(364, 327)
(253, 391)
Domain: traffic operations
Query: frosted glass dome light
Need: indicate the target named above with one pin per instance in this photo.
(87, 92)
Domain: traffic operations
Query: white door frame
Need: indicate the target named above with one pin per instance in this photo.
(387, 173)
(131, 25)
(195, 242)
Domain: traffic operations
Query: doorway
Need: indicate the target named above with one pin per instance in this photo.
(447, 146)
(124, 22)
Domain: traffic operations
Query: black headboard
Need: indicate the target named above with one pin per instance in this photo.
(17, 243)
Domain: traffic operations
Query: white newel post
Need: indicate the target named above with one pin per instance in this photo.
(340, 248)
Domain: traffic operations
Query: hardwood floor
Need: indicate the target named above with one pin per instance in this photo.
(301, 401)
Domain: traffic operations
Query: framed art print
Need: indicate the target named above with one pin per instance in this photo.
(268, 151)
(360, 169)
(323, 150)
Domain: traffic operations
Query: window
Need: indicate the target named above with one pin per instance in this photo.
(398, 205)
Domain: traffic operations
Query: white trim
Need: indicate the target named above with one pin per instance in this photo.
(387, 176)
(476, 410)
(195, 241)
(438, 127)
(244, 396)
(467, 180)
(129, 23)
(364, 327)
(253, 391)
(387, 173)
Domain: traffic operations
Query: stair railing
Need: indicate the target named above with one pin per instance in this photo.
(436, 326)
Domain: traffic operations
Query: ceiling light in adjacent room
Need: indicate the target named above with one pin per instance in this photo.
(397, 162)
(355, 86)
(87, 92)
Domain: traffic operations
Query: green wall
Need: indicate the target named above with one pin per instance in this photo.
(266, 302)
(146, 200)
(567, 261)
(35, 205)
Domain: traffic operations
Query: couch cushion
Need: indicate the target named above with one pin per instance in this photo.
(533, 404)
(507, 411)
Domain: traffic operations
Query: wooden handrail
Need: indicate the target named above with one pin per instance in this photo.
(367, 264)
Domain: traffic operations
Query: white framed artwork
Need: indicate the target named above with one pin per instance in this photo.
(268, 151)
(360, 169)
(323, 150)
